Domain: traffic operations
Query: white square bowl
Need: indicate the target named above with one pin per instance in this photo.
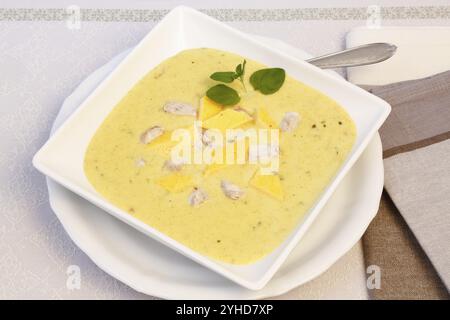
(61, 158)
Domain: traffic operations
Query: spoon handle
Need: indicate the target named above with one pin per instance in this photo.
(357, 56)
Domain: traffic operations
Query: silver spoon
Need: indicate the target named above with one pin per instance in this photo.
(357, 56)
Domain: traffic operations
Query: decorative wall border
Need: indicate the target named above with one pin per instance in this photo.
(294, 14)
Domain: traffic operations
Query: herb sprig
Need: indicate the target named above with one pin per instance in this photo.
(267, 81)
(230, 76)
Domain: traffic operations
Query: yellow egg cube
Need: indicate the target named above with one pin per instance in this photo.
(264, 118)
(227, 119)
(208, 108)
(269, 184)
(175, 182)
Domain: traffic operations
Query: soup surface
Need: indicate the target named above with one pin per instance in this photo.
(238, 228)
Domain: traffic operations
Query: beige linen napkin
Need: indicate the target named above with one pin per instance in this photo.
(410, 237)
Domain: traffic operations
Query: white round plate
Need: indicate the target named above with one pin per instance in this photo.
(151, 268)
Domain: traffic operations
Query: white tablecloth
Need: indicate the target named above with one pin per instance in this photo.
(42, 61)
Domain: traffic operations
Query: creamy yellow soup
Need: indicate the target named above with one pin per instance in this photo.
(128, 173)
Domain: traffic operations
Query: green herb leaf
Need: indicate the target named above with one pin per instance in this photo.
(268, 81)
(256, 79)
(240, 69)
(226, 77)
(223, 95)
